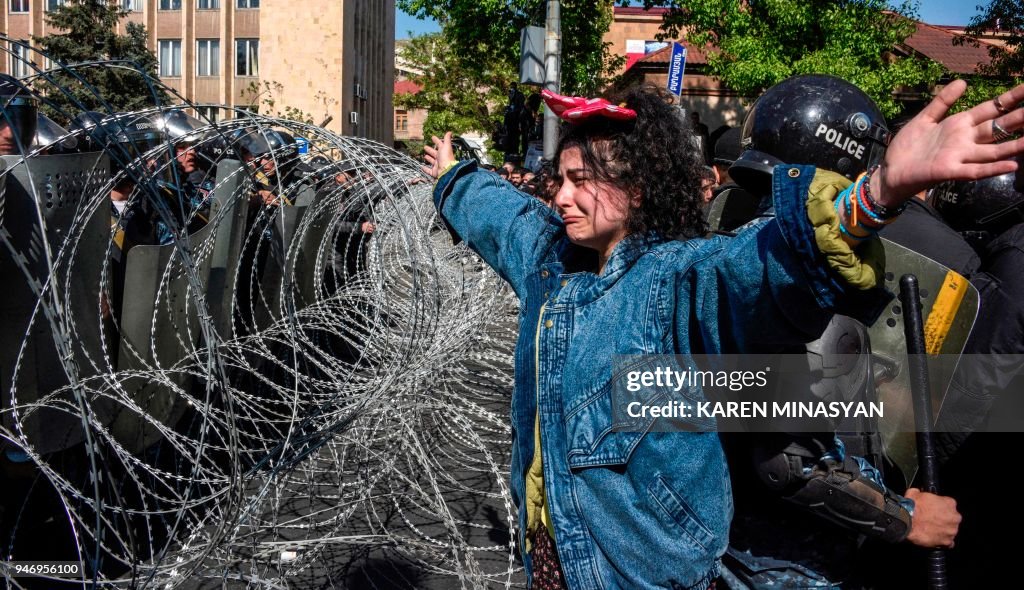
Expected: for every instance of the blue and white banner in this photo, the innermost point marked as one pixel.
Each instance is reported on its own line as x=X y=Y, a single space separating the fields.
x=676 y=65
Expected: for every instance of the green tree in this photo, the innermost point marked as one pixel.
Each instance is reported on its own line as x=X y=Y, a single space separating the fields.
x=88 y=34
x=459 y=95
x=1005 y=18
x=485 y=33
x=762 y=42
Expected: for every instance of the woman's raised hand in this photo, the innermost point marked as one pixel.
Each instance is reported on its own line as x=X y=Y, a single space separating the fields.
x=933 y=147
x=438 y=157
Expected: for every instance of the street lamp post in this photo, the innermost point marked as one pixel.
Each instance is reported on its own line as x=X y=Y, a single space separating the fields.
x=552 y=74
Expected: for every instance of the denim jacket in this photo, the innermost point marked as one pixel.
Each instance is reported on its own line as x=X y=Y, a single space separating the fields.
x=634 y=509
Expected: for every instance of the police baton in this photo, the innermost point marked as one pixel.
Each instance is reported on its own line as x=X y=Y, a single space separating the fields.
x=913 y=330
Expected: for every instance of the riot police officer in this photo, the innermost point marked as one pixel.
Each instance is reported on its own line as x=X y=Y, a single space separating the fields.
x=804 y=500
x=273 y=157
x=279 y=183
x=193 y=183
x=983 y=413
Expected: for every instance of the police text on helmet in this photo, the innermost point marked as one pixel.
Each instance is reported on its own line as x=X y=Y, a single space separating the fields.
x=837 y=139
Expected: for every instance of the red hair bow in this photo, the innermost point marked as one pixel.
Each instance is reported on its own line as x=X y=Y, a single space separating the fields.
x=575 y=109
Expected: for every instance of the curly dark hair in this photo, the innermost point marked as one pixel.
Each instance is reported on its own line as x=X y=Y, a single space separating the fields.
x=653 y=154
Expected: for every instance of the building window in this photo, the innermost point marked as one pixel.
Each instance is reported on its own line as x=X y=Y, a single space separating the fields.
x=170 y=4
x=401 y=120
x=20 y=57
x=19 y=6
x=208 y=114
x=248 y=3
x=132 y=5
x=170 y=58
x=207 y=57
x=247 y=57
x=209 y=5
x=53 y=4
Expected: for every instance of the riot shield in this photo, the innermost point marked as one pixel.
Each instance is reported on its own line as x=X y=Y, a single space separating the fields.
x=228 y=212
x=950 y=306
x=161 y=332
x=310 y=251
x=55 y=236
x=276 y=278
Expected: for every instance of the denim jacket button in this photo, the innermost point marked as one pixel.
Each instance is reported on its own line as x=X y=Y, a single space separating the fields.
x=543 y=274
x=548 y=324
x=547 y=294
x=565 y=282
x=794 y=172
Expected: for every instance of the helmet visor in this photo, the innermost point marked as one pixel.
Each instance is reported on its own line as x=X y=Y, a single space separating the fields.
x=17 y=124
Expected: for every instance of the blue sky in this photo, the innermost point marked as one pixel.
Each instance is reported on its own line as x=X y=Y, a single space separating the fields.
x=936 y=12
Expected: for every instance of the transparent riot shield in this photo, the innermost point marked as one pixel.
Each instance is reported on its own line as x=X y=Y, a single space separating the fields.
x=950 y=306
x=55 y=236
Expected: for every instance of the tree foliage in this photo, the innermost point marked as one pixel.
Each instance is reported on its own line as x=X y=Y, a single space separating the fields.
x=89 y=34
x=469 y=66
x=762 y=42
x=486 y=34
x=1006 y=19
x=459 y=95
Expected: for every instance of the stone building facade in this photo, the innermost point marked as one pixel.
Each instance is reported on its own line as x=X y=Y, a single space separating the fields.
x=331 y=59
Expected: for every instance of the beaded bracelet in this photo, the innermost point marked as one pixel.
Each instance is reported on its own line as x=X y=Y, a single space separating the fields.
x=864 y=206
x=851 y=212
x=885 y=213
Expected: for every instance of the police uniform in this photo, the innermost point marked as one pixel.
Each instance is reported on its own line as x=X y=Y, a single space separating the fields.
x=983 y=394
x=806 y=500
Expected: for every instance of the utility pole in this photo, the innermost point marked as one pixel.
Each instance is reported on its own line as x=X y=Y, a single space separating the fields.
x=552 y=74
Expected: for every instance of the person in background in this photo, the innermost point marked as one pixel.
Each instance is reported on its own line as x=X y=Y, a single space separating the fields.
x=708 y=184
x=727 y=149
x=703 y=136
x=516 y=177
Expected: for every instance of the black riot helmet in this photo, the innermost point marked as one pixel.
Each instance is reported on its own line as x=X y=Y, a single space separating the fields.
x=271 y=143
x=137 y=134
x=125 y=137
x=18 y=109
x=181 y=127
x=219 y=143
x=84 y=125
x=982 y=209
x=53 y=138
x=264 y=141
x=813 y=119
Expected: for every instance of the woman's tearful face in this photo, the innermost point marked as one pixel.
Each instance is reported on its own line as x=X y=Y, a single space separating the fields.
x=594 y=212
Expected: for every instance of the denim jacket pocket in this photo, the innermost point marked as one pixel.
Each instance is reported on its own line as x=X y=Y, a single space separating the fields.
x=591 y=435
x=676 y=508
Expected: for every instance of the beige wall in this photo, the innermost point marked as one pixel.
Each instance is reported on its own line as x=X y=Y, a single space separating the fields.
x=414 y=128
x=321 y=54
x=302 y=51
